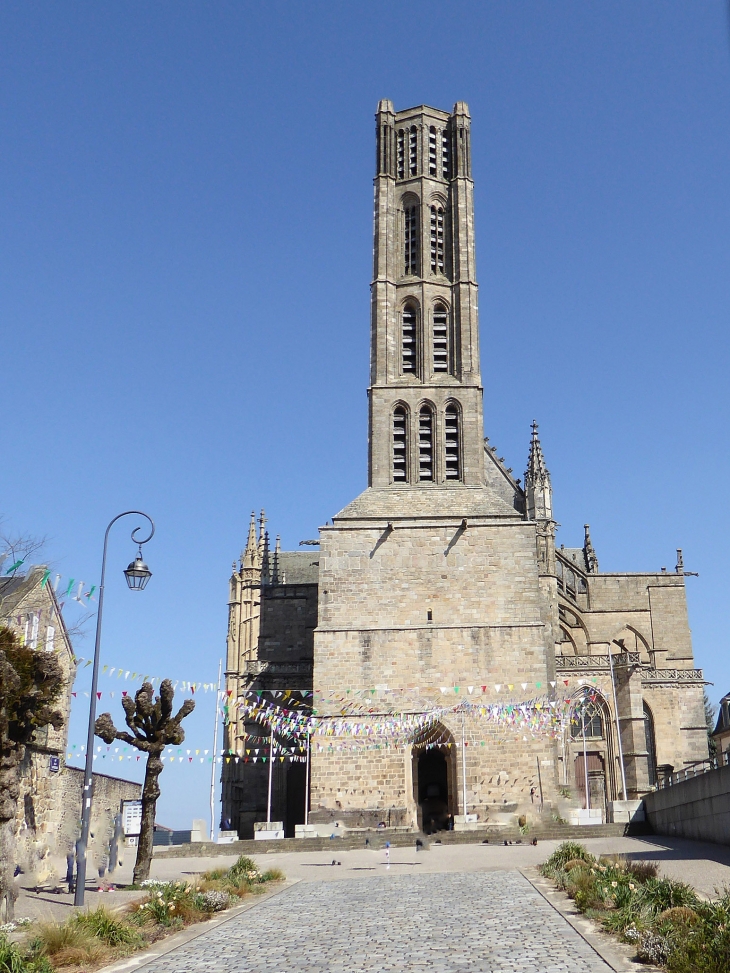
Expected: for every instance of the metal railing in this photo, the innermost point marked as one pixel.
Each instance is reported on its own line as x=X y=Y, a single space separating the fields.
x=695 y=769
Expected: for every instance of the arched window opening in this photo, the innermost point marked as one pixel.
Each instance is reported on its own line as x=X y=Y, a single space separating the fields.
x=413 y=151
x=437 y=239
x=445 y=155
x=432 y=151
x=452 y=450
x=590 y=714
x=411 y=240
x=401 y=160
x=400 y=449
x=425 y=444
x=440 y=339
x=650 y=745
x=408 y=342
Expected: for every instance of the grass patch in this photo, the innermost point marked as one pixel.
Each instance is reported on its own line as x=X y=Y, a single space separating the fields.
x=94 y=938
x=19 y=959
x=666 y=922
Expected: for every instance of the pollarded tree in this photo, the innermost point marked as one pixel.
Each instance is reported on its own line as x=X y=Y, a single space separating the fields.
x=30 y=683
x=153 y=727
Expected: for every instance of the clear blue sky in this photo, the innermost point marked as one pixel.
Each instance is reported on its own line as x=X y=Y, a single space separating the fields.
x=185 y=257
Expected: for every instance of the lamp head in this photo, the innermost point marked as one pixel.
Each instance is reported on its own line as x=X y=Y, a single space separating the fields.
x=137 y=574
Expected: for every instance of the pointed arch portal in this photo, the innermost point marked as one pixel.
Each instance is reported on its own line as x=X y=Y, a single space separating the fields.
x=434 y=783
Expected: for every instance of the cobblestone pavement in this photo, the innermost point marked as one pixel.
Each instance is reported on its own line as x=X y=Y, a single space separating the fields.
x=446 y=923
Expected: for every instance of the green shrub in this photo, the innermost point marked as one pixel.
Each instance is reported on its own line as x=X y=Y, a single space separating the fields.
x=110 y=929
x=15 y=959
x=641 y=870
x=661 y=894
x=68 y=944
x=567 y=851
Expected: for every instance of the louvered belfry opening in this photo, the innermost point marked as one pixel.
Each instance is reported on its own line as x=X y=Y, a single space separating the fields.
x=437 y=240
x=440 y=339
x=408 y=340
x=425 y=444
x=411 y=240
x=413 y=151
x=401 y=154
x=432 y=151
x=400 y=445
x=452 y=450
x=445 y=155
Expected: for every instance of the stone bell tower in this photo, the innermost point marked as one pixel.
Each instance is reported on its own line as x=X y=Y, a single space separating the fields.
x=428 y=580
x=425 y=385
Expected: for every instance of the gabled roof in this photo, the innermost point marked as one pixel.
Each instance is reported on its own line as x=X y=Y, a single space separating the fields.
x=298 y=567
x=723 y=716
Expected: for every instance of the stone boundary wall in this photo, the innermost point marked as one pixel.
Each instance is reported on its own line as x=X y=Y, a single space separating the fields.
x=697 y=808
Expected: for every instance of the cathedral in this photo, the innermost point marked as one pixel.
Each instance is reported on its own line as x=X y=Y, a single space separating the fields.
x=435 y=629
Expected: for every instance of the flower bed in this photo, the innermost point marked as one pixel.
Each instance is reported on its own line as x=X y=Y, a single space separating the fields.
x=94 y=938
x=663 y=919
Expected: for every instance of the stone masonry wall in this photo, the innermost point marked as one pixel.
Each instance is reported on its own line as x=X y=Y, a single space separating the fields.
x=486 y=629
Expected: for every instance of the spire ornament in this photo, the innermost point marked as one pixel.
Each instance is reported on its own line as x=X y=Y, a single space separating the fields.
x=589 y=553
x=538 y=489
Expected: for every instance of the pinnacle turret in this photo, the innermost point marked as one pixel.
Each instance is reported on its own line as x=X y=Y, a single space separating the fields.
x=589 y=553
x=538 y=489
x=275 y=569
x=249 y=557
x=265 y=560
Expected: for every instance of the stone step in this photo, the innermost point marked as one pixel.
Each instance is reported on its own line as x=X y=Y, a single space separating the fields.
x=377 y=840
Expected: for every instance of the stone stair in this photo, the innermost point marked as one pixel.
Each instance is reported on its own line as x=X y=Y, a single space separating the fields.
x=377 y=840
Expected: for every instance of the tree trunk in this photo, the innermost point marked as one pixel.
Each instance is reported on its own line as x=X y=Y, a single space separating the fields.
x=10 y=757
x=150 y=793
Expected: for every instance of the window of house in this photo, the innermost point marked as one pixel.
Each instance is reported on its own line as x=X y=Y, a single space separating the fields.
x=50 y=638
x=445 y=155
x=400 y=450
x=437 y=239
x=432 y=151
x=440 y=339
x=408 y=340
x=401 y=154
x=452 y=455
x=425 y=443
x=413 y=151
x=411 y=240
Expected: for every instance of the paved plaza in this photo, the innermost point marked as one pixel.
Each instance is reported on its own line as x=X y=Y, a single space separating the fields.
x=450 y=908
x=482 y=921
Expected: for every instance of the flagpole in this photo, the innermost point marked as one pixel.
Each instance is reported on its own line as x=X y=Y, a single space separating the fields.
x=585 y=756
x=306 y=784
x=271 y=775
x=215 y=751
x=618 y=725
x=463 y=763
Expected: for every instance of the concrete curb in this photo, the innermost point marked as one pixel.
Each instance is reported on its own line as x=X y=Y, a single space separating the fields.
x=617 y=955
x=144 y=957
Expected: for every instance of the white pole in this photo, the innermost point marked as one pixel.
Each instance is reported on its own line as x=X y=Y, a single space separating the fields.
x=585 y=756
x=215 y=751
x=618 y=725
x=271 y=774
x=306 y=785
x=463 y=764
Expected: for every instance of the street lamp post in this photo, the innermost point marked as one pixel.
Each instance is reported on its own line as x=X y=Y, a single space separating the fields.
x=137 y=575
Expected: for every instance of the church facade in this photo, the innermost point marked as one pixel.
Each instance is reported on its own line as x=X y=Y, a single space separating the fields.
x=441 y=588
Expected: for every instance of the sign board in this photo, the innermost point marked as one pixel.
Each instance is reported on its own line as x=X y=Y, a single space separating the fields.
x=55 y=764
x=131 y=818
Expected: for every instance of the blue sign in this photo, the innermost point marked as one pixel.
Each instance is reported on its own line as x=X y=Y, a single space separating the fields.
x=55 y=764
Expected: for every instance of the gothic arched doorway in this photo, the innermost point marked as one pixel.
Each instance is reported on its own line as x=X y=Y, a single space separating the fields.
x=434 y=781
